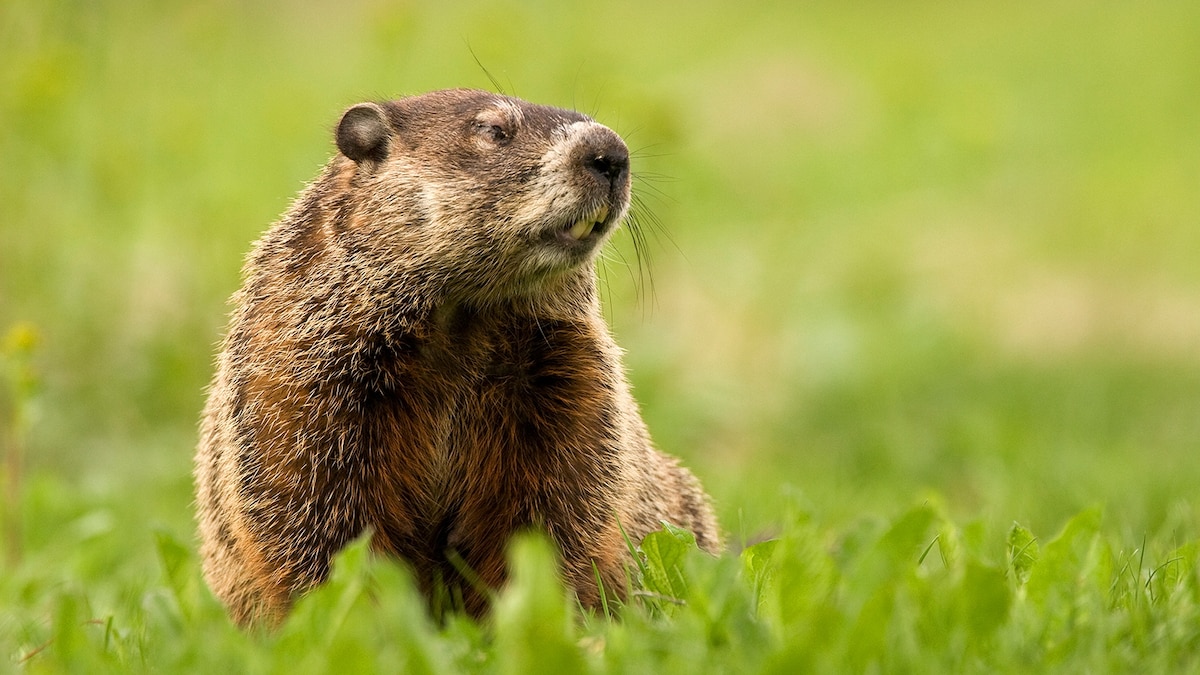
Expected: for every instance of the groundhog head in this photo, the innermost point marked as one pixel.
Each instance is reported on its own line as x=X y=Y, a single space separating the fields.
x=499 y=195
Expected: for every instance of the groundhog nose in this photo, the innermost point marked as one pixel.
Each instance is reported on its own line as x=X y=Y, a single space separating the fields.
x=608 y=159
x=612 y=166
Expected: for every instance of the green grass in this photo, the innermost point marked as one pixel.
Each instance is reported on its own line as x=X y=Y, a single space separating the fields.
x=910 y=254
x=918 y=592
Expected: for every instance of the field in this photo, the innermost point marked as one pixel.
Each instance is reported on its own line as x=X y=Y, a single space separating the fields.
x=921 y=307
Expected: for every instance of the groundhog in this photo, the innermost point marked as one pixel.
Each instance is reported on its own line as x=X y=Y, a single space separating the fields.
x=417 y=351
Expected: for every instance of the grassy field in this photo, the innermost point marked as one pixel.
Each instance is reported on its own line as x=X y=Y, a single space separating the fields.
x=922 y=271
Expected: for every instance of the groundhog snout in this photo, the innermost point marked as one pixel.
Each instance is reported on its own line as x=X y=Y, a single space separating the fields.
x=605 y=158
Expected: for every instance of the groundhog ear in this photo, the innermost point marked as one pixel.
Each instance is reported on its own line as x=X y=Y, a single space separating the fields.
x=363 y=133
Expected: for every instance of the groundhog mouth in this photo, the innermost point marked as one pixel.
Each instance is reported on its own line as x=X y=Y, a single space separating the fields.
x=586 y=228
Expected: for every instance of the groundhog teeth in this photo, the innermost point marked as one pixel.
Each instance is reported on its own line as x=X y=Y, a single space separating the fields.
x=584 y=226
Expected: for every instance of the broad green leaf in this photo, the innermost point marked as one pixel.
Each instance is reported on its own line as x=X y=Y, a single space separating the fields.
x=321 y=614
x=868 y=636
x=985 y=598
x=896 y=552
x=1060 y=566
x=908 y=536
x=180 y=574
x=878 y=578
x=1023 y=551
x=791 y=576
x=350 y=573
x=759 y=564
x=664 y=553
x=535 y=627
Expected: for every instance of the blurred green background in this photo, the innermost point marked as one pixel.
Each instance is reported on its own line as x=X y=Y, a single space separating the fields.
x=901 y=247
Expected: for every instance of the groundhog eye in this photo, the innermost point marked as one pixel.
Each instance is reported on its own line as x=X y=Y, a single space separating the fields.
x=494 y=132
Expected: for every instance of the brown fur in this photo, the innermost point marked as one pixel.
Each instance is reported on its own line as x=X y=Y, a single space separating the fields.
x=418 y=349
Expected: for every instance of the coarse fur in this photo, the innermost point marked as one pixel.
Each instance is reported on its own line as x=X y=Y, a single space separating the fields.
x=418 y=350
